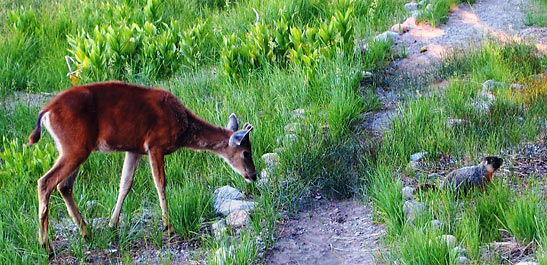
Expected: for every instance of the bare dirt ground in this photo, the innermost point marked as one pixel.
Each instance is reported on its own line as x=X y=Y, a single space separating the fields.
x=343 y=232
x=330 y=232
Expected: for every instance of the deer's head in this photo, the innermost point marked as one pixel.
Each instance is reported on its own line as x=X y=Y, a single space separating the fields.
x=238 y=153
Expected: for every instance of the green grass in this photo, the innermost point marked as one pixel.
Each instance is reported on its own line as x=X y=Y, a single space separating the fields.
x=536 y=13
x=438 y=11
x=475 y=218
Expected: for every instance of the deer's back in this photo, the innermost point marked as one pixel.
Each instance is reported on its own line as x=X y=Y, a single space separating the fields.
x=124 y=117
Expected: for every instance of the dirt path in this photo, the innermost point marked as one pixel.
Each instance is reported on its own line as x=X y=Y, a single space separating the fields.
x=343 y=232
x=330 y=232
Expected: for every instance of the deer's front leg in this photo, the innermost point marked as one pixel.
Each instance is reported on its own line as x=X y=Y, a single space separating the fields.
x=158 y=173
x=128 y=172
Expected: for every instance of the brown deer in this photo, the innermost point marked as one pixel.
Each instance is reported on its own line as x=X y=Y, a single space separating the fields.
x=115 y=116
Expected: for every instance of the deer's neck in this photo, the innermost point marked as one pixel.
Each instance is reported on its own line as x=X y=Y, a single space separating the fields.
x=201 y=135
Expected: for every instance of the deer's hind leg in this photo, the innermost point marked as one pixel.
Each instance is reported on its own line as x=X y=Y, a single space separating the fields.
x=66 y=190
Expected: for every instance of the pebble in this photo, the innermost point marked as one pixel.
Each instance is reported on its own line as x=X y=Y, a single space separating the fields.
x=408 y=193
x=219 y=228
x=460 y=251
x=462 y=260
x=433 y=176
x=417 y=156
x=293 y=127
x=227 y=193
x=451 y=122
x=228 y=206
x=271 y=159
x=91 y=204
x=412 y=209
x=237 y=218
x=299 y=113
x=527 y=263
x=437 y=224
x=286 y=140
x=387 y=36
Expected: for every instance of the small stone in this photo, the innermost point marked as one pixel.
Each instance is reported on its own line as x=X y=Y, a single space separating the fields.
x=449 y=240
x=517 y=86
x=219 y=228
x=91 y=204
x=412 y=6
x=462 y=260
x=299 y=113
x=489 y=85
x=428 y=6
x=264 y=177
x=366 y=74
x=286 y=140
x=451 y=122
x=227 y=193
x=271 y=160
x=387 y=36
x=437 y=224
x=433 y=176
x=459 y=251
x=486 y=96
x=412 y=209
x=293 y=127
x=414 y=165
x=228 y=206
x=527 y=263
x=223 y=254
x=417 y=156
x=423 y=49
x=481 y=107
x=408 y=193
x=237 y=218
x=99 y=222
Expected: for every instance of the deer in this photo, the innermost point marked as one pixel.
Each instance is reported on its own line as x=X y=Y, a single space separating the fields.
x=116 y=116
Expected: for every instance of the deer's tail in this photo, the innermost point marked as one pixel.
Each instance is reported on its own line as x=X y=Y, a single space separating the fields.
x=34 y=137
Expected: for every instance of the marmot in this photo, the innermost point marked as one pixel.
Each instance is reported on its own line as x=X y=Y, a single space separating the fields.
x=466 y=178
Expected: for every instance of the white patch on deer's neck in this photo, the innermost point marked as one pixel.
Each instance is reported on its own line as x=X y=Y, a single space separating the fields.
x=47 y=123
x=228 y=161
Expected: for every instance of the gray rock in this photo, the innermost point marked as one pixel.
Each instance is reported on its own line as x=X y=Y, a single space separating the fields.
x=286 y=140
x=387 y=36
x=462 y=260
x=517 y=86
x=90 y=205
x=527 y=263
x=227 y=193
x=417 y=156
x=482 y=106
x=437 y=224
x=237 y=218
x=99 y=222
x=414 y=165
x=219 y=228
x=293 y=127
x=451 y=122
x=413 y=209
x=412 y=6
x=489 y=85
x=460 y=251
x=449 y=240
x=408 y=193
x=486 y=96
x=433 y=176
x=271 y=160
x=299 y=113
x=228 y=206
x=366 y=74
x=264 y=178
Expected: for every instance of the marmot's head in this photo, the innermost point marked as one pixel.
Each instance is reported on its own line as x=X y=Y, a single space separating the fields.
x=492 y=163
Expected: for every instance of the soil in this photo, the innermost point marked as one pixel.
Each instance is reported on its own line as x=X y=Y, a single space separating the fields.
x=330 y=232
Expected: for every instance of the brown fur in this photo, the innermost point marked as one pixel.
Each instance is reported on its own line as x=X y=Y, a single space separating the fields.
x=115 y=116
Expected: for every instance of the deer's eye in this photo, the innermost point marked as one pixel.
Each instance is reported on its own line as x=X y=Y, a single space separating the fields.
x=246 y=154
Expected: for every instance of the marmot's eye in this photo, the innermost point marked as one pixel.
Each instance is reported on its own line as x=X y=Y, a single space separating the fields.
x=246 y=154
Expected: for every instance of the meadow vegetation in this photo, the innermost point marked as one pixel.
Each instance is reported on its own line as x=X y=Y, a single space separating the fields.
x=218 y=59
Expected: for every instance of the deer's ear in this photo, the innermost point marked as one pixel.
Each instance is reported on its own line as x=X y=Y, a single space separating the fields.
x=247 y=126
x=238 y=137
x=232 y=123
